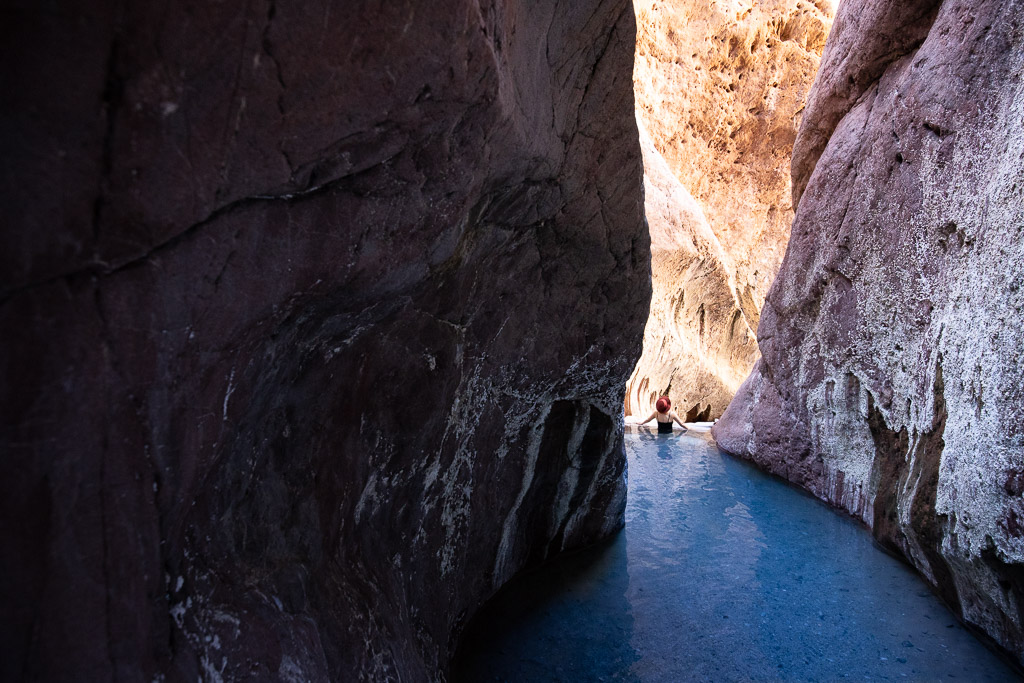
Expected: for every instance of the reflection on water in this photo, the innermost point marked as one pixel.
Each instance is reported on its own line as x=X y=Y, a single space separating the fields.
x=723 y=574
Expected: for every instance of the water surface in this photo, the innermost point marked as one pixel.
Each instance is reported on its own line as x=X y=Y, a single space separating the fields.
x=722 y=573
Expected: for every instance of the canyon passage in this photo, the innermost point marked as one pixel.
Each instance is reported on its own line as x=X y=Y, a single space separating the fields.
x=318 y=319
x=723 y=573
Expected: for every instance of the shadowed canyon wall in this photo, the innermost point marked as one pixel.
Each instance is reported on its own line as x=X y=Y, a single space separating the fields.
x=891 y=381
x=720 y=89
x=316 y=321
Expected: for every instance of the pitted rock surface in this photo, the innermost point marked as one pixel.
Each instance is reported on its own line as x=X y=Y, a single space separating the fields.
x=697 y=345
x=891 y=382
x=720 y=89
x=316 y=320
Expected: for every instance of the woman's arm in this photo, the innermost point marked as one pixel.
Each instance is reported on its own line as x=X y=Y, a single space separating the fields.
x=676 y=418
x=653 y=415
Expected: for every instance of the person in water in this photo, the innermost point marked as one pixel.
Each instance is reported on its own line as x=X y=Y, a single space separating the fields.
x=665 y=415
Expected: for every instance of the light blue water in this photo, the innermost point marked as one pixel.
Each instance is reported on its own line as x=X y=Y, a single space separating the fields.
x=722 y=574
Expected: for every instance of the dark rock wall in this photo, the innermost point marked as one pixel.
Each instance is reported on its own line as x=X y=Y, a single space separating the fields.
x=891 y=382
x=316 y=319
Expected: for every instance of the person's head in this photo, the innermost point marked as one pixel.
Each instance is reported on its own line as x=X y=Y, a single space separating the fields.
x=663 y=405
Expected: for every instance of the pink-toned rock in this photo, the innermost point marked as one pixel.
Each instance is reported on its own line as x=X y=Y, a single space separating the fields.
x=891 y=381
x=316 y=319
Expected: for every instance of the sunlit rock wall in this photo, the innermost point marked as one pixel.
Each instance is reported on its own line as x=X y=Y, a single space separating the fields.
x=697 y=344
x=891 y=381
x=720 y=88
x=315 y=325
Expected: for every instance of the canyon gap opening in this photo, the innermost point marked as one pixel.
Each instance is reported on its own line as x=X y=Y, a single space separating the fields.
x=719 y=91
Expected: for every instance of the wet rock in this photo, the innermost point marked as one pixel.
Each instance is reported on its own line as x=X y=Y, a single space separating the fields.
x=720 y=89
x=890 y=382
x=316 y=322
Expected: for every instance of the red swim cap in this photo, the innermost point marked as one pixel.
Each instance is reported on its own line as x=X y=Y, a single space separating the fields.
x=663 y=404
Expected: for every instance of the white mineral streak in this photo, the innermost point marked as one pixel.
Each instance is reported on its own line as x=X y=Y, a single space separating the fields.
x=503 y=568
x=457 y=477
x=366 y=496
x=227 y=395
x=213 y=673
x=570 y=478
x=841 y=406
x=576 y=516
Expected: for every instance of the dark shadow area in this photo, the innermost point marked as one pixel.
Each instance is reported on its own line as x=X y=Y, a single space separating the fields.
x=516 y=630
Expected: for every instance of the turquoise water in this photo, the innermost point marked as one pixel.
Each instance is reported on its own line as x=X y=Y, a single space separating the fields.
x=722 y=574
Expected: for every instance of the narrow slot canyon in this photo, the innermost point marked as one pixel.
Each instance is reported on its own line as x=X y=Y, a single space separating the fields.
x=329 y=333
x=719 y=91
x=722 y=573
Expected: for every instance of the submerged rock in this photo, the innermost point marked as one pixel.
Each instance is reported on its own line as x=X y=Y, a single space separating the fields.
x=720 y=89
x=891 y=381
x=316 y=322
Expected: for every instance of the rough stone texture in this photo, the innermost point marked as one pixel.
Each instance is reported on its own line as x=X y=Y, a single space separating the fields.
x=697 y=345
x=720 y=88
x=891 y=381
x=316 y=319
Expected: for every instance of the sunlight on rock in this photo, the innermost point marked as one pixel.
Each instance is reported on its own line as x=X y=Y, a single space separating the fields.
x=719 y=90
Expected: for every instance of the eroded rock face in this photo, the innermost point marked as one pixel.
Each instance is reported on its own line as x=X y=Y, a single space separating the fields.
x=316 y=322
x=720 y=88
x=697 y=345
x=891 y=380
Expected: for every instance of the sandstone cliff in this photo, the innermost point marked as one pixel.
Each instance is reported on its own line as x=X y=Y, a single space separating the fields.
x=316 y=319
x=697 y=346
x=720 y=88
x=891 y=381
